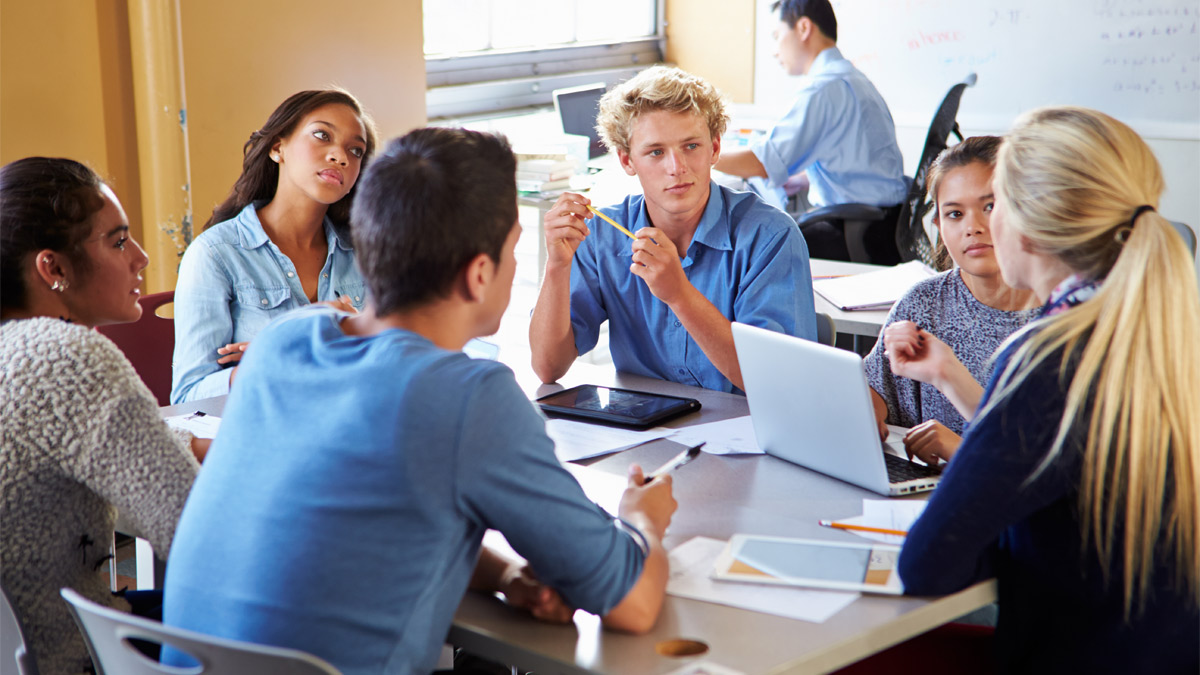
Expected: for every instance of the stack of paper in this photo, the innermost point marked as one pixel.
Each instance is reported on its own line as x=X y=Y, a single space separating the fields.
x=873 y=290
x=544 y=173
x=727 y=437
x=574 y=441
x=200 y=424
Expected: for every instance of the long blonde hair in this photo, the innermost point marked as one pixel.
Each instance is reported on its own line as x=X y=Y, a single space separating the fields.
x=1073 y=180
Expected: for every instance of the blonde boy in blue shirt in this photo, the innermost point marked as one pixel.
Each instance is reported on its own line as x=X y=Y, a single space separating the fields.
x=702 y=255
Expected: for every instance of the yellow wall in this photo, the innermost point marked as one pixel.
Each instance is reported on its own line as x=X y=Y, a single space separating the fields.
x=66 y=86
x=715 y=40
x=242 y=59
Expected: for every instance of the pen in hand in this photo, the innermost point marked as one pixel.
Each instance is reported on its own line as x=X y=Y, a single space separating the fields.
x=675 y=462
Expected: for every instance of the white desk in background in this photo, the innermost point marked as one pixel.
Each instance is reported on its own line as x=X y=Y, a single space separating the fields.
x=860 y=323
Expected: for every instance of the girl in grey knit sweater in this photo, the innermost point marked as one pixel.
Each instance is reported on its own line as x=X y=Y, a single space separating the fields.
x=82 y=437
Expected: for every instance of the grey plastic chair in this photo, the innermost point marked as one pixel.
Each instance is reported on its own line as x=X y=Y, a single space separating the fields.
x=1189 y=237
x=107 y=633
x=826 y=331
x=12 y=640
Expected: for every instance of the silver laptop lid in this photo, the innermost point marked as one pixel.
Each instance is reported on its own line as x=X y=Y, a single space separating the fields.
x=810 y=405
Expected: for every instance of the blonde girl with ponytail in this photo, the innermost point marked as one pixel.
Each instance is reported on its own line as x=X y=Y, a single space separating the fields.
x=1076 y=485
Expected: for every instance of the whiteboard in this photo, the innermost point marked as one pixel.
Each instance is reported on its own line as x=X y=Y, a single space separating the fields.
x=1137 y=60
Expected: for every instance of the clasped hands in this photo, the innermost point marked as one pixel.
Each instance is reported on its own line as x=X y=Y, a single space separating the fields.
x=655 y=258
x=919 y=355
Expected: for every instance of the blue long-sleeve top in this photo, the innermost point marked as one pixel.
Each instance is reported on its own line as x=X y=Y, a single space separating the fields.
x=1058 y=612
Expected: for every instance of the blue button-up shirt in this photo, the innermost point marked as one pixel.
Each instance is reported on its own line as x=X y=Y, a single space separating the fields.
x=840 y=131
x=747 y=258
x=232 y=282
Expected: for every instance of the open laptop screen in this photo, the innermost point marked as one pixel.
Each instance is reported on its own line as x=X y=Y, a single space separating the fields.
x=577 y=108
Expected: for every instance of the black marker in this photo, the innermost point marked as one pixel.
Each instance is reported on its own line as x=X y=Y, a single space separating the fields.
x=676 y=462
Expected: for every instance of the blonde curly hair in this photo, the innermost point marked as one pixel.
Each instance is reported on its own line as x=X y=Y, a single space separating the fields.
x=658 y=88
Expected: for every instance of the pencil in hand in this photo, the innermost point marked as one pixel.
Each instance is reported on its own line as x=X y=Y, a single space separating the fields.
x=610 y=221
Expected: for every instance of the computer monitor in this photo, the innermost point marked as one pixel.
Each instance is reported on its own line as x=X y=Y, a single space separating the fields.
x=577 y=108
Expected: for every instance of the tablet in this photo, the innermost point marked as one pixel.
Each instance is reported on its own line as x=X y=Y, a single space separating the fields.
x=866 y=568
x=622 y=407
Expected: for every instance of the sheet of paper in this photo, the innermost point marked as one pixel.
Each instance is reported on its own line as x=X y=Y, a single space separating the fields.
x=890 y=514
x=200 y=424
x=602 y=487
x=692 y=564
x=733 y=436
x=872 y=290
x=580 y=440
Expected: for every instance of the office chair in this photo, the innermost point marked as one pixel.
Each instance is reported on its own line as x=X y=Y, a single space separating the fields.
x=108 y=632
x=1189 y=237
x=12 y=640
x=826 y=332
x=911 y=239
x=149 y=344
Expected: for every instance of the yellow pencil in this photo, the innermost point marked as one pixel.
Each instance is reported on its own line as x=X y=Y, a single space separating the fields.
x=611 y=222
x=861 y=528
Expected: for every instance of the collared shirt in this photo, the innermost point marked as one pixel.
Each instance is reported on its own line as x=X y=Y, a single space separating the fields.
x=840 y=131
x=747 y=258
x=232 y=282
x=404 y=453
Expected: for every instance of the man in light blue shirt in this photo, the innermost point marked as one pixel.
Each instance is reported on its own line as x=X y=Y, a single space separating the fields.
x=363 y=456
x=702 y=255
x=839 y=132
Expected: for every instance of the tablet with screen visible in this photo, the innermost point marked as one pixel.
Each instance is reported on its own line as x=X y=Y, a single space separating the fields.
x=837 y=566
x=622 y=407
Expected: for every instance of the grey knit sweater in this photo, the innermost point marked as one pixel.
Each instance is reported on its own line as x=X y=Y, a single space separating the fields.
x=82 y=438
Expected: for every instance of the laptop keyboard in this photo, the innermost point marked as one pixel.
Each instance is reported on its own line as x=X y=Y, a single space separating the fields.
x=900 y=470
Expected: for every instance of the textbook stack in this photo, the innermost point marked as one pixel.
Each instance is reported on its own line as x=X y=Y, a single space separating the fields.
x=544 y=173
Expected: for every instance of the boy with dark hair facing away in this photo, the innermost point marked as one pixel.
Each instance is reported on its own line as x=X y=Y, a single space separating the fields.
x=376 y=427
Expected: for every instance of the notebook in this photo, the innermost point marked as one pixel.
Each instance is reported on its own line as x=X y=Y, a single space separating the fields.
x=811 y=406
x=872 y=290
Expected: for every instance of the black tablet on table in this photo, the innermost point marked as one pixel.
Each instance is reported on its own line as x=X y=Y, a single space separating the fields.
x=621 y=407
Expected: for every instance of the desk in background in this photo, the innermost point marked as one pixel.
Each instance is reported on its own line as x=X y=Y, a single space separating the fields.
x=859 y=323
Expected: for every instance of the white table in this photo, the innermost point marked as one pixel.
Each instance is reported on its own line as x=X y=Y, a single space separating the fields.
x=718 y=497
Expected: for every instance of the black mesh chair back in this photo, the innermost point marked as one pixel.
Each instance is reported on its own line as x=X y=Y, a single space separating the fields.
x=911 y=239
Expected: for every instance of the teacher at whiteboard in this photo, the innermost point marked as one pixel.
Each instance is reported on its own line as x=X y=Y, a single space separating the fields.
x=839 y=132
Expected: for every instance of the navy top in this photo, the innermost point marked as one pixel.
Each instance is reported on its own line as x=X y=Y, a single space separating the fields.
x=1057 y=614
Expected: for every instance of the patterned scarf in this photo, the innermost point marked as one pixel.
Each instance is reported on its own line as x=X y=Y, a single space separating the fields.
x=1070 y=292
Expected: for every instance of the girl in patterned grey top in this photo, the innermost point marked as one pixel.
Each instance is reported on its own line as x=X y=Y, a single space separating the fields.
x=961 y=315
x=82 y=437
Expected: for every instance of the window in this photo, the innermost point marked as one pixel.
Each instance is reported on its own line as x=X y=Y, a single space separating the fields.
x=487 y=55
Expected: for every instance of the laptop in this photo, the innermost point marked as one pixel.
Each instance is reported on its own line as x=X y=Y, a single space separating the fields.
x=810 y=404
x=577 y=108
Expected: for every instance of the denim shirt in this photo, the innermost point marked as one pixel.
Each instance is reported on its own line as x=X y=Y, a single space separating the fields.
x=840 y=131
x=233 y=281
x=748 y=259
